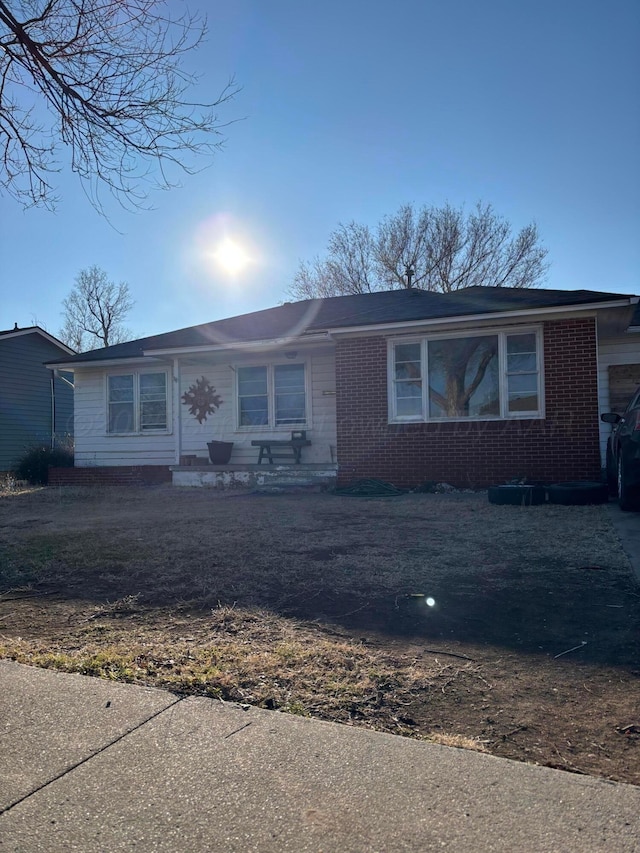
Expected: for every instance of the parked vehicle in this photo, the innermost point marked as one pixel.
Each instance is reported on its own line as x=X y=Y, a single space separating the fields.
x=623 y=454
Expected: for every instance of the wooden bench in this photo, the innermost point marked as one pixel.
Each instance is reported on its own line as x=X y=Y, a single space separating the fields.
x=273 y=449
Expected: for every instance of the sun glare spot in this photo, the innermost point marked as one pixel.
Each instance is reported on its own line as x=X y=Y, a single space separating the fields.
x=231 y=256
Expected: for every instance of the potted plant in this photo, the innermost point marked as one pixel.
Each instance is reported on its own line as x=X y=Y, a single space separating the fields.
x=220 y=452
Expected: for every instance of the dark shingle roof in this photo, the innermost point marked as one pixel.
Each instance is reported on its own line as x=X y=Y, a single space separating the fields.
x=37 y=329
x=294 y=319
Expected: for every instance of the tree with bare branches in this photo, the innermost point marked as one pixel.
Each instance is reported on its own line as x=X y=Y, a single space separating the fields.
x=439 y=249
x=102 y=82
x=95 y=310
x=443 y=249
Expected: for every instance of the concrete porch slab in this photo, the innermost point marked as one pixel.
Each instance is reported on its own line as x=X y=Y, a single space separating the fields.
x=254 y=476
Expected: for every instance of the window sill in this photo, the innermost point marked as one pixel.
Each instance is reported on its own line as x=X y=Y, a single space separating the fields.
x=246 y=430
x=528 y=416
x=138 y=434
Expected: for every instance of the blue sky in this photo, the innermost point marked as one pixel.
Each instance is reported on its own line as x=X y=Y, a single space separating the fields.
x=350 y=109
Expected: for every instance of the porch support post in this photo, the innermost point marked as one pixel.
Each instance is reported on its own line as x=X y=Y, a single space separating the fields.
x=177 y=418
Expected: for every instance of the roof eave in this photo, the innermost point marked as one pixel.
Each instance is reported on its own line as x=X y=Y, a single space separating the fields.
x=266 y=343
x=103 y=362
x=490 y=315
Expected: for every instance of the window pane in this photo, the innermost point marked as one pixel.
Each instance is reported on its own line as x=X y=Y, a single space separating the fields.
x=463 y=377
x=408 y=379
x=408 y=361
x=121 y=389
x=253 y=411
x=522 y=363
x=121 y=417
x=253 y=400
x=523 y=393
x=289 y=377
x=408 y=389
x=252 y=380
x=120 y=396
x=153 y=401
x=153 y=415
x=522 y=373
x=521 y=344
x=290 y=394
x=290 y=409
x=153 y=386
x=409 y=406
x=407 y=352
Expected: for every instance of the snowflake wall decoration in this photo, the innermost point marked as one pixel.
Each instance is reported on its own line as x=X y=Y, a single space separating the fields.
x=202 y=399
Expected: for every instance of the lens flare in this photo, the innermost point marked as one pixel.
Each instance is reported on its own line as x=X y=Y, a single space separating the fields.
x=231 y=256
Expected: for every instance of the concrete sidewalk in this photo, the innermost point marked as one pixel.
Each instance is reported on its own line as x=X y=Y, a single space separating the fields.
x=90 y=765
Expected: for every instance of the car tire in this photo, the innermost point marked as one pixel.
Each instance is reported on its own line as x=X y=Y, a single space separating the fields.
x=579 y=493
x=627 y=496
x=517 y=495
x=612 y=473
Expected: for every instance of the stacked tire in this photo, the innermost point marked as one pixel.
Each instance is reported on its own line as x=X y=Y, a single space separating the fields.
x=578 y=493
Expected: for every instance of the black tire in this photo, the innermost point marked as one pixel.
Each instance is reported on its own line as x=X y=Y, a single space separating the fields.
x=627 y=497
x=579 y=493
x=517 y=495
x=612 y=473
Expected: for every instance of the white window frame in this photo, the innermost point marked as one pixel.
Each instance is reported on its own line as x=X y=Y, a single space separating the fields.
x=502 y=335
x=271 y=397
x=136 y=373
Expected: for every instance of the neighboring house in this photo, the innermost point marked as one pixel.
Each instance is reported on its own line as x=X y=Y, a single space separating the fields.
x=473 y=387
x=36 y=406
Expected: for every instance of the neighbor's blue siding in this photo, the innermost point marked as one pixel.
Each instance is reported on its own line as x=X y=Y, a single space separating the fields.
x=25 y=397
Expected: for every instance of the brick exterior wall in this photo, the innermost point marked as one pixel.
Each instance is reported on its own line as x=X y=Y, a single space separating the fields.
x=120 y=475
x=475 y=454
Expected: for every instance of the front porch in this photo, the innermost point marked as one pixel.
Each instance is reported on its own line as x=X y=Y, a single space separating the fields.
x=304 y=475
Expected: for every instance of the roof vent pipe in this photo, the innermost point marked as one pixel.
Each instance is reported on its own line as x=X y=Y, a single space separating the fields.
x=409 y=272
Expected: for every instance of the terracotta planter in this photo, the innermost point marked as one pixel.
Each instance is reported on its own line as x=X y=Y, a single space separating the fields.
x=220 y=452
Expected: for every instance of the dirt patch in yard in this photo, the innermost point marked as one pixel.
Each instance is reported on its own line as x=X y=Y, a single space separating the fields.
x=513 y=630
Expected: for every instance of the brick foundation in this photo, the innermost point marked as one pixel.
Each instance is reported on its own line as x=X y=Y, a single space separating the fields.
x=563 y=446
x=121 y=475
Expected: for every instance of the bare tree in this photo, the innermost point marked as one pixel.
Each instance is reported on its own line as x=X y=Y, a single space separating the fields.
x=436 y=249
x=105 y=80
x=95 y=310
x=349 y=267
x=445 y=249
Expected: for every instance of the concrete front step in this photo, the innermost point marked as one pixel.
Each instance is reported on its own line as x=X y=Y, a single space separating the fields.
x=256 y=476
x=278 y=487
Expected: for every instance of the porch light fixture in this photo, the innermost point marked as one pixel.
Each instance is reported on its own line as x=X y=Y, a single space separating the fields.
x=291 y=354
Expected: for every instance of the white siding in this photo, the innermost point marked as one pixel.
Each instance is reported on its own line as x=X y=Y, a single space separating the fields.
x=221 y=426
x=94 y=446
x=621 y=350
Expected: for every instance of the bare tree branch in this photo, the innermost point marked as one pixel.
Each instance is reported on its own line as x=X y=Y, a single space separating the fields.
x=446 y=248
x=95 y=310
x=104 y=82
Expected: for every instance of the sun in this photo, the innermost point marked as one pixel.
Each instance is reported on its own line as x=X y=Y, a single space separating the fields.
x=231 y=256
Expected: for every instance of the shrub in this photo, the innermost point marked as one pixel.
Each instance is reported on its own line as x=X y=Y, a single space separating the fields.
x=34 y=465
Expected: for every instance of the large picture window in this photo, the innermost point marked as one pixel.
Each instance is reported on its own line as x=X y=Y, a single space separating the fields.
x=272 y=395
x=488 y=376
x=137 y=402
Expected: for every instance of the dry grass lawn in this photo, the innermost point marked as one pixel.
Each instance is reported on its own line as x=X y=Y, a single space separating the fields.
x=320 y=605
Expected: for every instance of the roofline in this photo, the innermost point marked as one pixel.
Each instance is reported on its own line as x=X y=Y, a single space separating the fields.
x=31 y=330
x=320 y=337
x=103 y=362
x=327 y=334
x=492 y=315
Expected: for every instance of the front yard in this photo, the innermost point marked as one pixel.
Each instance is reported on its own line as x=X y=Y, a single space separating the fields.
x=512 y=630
